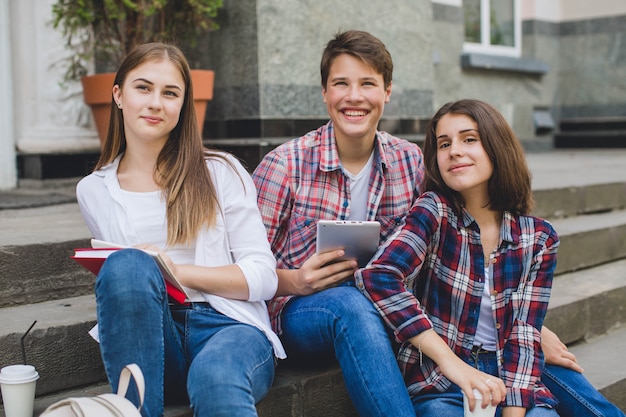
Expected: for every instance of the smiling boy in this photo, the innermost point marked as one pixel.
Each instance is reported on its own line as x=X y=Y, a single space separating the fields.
x=345 y=170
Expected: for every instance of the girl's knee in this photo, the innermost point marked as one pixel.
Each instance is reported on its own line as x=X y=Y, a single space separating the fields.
x=128 y=271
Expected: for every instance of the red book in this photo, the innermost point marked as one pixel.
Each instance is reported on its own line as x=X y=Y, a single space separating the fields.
x=93 y=258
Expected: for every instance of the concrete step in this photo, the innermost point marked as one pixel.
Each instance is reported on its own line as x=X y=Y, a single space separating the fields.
x=554 y=203
x=583 y=193
x=587 y=307
x=35 y=249
x=41 y=272
x=590 y=240
x=604 y=364
x=68 y=357
x=327 y=396
x=587 y=303
x=296 y=392
x=35 y=264
x=59 y=345
x=584 y=304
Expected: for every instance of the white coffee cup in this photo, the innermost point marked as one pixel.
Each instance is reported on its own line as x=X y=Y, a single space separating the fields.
x=18 y=390
x=489 y=411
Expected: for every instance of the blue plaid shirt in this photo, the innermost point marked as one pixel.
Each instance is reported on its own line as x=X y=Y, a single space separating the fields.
x=431 y=275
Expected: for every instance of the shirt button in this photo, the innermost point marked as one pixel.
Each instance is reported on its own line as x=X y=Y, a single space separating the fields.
x=498 y=326
x=494 y=292
x=345 y=203
x=494 y=260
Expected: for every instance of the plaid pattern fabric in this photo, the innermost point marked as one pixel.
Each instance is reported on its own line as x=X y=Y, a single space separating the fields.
x=301 y=182
x=431 y=275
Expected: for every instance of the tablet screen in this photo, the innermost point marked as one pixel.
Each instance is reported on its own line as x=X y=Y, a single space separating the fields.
x=358 y=238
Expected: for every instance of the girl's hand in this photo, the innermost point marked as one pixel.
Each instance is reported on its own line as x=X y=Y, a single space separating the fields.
x=456 y=370
x=467 y=378
x=152 y=248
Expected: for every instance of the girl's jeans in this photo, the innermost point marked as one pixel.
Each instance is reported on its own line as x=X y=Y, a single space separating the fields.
x=577 y=397
x=450 y=402
x=188 y=354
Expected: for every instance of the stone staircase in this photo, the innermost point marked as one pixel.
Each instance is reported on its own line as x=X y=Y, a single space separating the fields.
x=39 y=282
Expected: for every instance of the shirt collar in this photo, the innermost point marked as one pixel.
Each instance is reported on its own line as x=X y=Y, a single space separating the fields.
x=509 y=230
x=329 y=159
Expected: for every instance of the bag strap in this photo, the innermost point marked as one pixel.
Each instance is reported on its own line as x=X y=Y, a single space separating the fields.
x=134 y=370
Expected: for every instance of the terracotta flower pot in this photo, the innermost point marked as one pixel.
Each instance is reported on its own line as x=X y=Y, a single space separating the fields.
x=97 y=91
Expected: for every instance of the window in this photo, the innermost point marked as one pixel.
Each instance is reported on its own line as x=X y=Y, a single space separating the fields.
x=492 y=27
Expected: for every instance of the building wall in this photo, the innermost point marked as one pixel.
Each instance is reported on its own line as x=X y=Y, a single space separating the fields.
x=273 y=86
x=516 y=94
x=592 y=80
x=266 y=57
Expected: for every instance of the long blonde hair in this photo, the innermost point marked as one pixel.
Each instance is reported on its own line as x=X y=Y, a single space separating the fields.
x=181 y=172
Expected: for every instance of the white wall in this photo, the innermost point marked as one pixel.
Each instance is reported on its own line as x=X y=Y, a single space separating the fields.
x=586 y=9
x=449 y=2
x=549 y=10
x=48 y=117
x=564 y=10
x=8 y=169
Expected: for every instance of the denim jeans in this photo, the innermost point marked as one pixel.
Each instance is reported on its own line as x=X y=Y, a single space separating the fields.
x=188 y=354
x=450 y=402
x=577 y=397
x=341 y=323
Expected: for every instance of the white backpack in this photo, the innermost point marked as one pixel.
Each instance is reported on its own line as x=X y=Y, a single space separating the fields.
x=105 y=405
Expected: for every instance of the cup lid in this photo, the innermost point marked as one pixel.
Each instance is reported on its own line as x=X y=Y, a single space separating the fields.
x=18 y=374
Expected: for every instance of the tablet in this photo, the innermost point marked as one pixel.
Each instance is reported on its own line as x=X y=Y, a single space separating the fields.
x=358 y=238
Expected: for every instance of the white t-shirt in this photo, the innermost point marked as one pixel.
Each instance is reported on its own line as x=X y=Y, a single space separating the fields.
x=146 y=211
x=238 y=237
x=359 y=191
x=486 y=329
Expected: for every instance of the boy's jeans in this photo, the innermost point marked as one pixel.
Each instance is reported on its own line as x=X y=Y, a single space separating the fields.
x=340 y=322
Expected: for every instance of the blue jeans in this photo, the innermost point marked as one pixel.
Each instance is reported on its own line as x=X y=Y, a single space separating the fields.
x=188 y=354
x=450 y=402
x=577 y=397
x=341 y=323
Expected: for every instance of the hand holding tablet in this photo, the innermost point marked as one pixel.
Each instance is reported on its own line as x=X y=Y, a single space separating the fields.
x=359 y=239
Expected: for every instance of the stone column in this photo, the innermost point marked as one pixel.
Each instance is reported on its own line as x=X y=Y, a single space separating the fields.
x=49 y=117
x=8 y=169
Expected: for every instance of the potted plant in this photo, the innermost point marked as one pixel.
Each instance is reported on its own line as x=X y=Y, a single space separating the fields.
x=104 y=31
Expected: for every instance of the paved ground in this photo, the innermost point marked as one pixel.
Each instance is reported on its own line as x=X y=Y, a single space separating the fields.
x=560 y=168
x=54 y=216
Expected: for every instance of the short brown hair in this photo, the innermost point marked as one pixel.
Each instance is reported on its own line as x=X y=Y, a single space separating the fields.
x=510 y=184
x=361 y=45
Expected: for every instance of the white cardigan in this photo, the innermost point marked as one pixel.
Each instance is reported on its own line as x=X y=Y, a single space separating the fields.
x=238 y=237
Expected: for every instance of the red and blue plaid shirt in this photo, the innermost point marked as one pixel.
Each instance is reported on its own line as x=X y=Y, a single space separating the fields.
x=301 y=182
x=431 y=275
